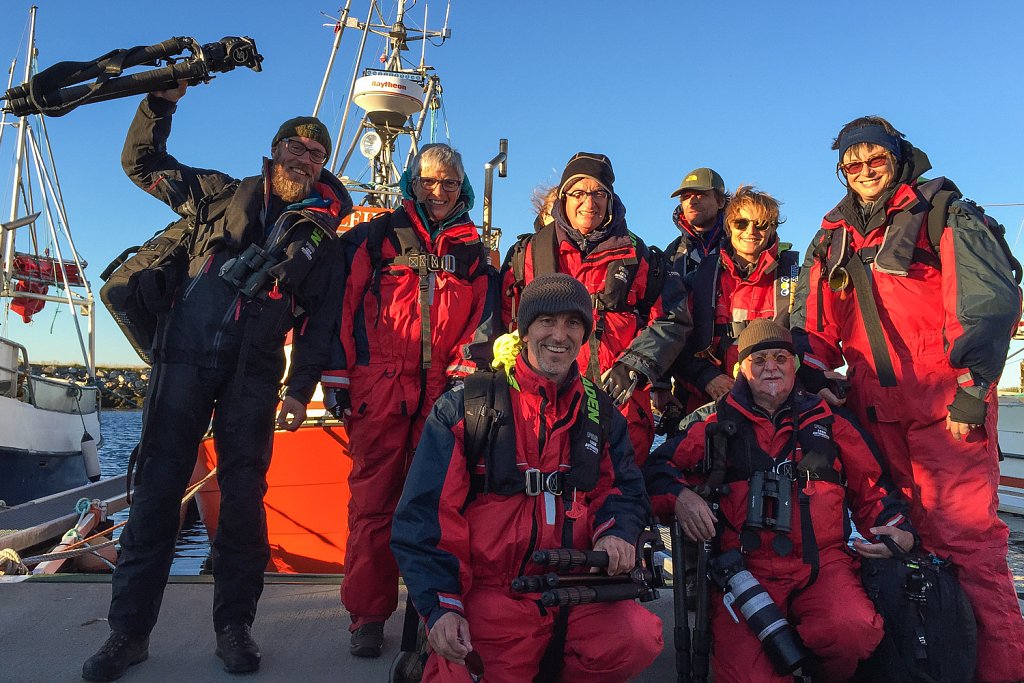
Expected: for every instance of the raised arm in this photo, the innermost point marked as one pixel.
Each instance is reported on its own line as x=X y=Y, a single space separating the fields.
x=145 y=159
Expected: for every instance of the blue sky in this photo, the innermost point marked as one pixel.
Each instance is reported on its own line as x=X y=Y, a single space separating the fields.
x=756 y=90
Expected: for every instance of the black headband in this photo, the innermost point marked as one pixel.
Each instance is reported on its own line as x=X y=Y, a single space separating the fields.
x=871 y=133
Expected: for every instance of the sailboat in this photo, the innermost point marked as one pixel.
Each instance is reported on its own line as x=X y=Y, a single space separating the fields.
x=49 y=428
x=307 y=497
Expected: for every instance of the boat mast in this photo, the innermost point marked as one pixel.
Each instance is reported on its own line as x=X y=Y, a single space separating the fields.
x=379 y=131
x=339 y=28
x=7 y=238
x=29 y=154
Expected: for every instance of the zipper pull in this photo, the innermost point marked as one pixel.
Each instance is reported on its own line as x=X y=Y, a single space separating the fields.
x=809 y=487
x=275 y=292
x=577 y=510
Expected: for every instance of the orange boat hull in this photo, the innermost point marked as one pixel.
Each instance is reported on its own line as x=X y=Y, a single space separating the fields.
x=306 y=502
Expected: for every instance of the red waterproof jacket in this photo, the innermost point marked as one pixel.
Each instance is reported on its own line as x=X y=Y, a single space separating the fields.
x=868 y=492
x=633 y=326
x=946 y=317
x=382 y=350
x=724 y=297
x=448 y=538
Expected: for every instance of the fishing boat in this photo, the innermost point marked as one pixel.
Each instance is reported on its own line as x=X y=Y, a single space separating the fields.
x=1011 y=442
x=49 y=427
x=307 y=484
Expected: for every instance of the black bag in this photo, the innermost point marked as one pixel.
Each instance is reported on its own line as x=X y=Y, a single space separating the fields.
x=139 y=285
x=139 y=288
x=930 y=633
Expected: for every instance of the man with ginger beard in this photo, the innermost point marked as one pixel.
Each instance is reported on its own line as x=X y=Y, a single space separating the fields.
x=219 y=352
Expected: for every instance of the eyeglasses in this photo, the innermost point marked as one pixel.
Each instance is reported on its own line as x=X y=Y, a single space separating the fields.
x=596 y=195
x=759 y=360
x=741 y=224
x=448 y=184
x=298 y=149
x=855 y=167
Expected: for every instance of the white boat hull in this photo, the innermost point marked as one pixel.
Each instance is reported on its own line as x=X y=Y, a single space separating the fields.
x=1011 y=443
x=41 y=449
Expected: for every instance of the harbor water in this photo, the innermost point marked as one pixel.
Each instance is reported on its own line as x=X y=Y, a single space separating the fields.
x=121 y=432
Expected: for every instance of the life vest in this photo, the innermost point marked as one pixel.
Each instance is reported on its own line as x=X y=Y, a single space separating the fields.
x=465 y=260
x=810 y=455
x=620 y=274
x=704 y=292
x=490 y=439
x=933 y=204
x=618 y=282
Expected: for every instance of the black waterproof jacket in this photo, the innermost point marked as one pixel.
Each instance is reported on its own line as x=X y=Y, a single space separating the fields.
x=212 y=324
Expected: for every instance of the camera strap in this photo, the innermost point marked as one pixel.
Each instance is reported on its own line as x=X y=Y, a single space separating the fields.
x=810 y=544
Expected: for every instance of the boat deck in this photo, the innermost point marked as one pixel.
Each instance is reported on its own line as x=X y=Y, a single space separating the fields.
x=29 y=524
x=302 y=630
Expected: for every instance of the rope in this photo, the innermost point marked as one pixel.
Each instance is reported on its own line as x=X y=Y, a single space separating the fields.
x=83 y=547
x=67 y=554
x=11 y=564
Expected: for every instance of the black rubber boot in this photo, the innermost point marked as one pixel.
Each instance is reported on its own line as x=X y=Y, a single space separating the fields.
x=368 y=640
x=117 y=654
x=239 y=651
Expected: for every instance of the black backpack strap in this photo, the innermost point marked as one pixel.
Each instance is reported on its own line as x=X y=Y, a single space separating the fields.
x=657 y=265
x=487 y=405
x=545 y=251
x=478 y=402
x=872 y=322
x=810 y=544
x=517 y=264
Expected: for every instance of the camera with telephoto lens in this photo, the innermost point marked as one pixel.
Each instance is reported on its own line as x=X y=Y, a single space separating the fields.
x=778 y=637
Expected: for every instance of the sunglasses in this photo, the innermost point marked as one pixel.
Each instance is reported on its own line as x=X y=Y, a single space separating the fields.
x=855 y=167
x=741 y=224
x=760 y=360
x=298 y=149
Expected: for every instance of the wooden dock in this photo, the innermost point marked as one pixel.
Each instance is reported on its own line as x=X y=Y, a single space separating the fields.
x=41 y=520
x=51 y=625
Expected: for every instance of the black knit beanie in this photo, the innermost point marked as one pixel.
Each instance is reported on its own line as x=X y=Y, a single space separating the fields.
x=555 y=293
x=590 y=165
x=304 y=127
x=761 y=334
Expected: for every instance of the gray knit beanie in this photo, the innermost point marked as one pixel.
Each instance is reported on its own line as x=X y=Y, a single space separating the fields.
x=555 y=293
x=764 y=333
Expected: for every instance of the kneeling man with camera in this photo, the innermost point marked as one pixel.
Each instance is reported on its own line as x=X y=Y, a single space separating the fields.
x=780 y=469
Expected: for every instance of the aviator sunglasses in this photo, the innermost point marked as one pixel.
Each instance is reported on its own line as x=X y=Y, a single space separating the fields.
x=741 y=224
x=855 y=167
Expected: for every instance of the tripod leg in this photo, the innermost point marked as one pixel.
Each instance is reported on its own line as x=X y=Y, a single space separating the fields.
x=681 y=629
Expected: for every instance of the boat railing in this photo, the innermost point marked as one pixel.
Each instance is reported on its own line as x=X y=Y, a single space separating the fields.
x=14 y=373
x=47 y=393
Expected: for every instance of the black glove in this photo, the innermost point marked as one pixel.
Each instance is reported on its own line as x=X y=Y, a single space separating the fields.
x=620 y=380
x=967 y=409
x=813 y=379
x=337 y=401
